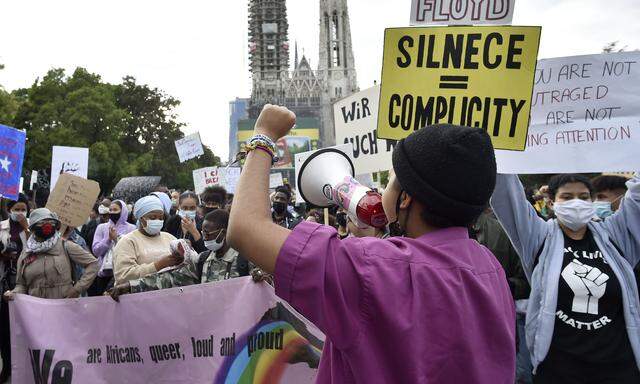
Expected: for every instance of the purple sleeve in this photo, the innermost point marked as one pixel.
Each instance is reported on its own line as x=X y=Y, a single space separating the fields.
x=322 y=277
x=101 y=241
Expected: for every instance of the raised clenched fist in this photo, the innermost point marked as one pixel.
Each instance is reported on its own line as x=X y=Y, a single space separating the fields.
x=588 y=285
x=275 y=122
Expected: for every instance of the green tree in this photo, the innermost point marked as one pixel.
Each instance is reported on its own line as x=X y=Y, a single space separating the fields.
x=8 y=105
x=129 y=128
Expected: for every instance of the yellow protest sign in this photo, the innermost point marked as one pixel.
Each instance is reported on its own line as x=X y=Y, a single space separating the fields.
x=474 y=76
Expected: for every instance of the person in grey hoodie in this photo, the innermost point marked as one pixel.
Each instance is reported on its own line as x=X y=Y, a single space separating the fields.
x=583 y=315
x=105 y=239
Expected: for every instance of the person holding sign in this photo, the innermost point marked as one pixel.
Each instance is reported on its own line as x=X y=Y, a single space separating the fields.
x=46 y=265
x=584 y=312
x=430 y=306
x=147 y=249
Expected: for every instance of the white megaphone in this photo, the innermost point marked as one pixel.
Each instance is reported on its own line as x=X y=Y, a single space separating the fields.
x=326 y=178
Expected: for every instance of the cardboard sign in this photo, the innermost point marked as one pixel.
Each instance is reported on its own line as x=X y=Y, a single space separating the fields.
x=226 y=177
x=73 y=198
x=473 y=76
x=585 y=117
x=275 y=180
x=461 y=12
x=356 y=119
x=72 y=160
x=189 y=147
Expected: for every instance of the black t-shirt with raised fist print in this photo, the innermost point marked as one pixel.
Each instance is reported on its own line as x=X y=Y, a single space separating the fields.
x=590 y=323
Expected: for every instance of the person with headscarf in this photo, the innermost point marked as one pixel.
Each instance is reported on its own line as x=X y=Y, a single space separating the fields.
x=147 y=249
x=46 y=264
x=106 y=237
x=13 y=236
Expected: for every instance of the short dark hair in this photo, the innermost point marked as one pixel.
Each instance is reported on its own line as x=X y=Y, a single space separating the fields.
x=214 y=194
x=219 y=217
x=285 y=190
x=188 y=195
x=609 y=183
x=558 y=181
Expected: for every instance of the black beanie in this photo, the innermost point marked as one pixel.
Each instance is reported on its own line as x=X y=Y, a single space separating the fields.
x=450 y=169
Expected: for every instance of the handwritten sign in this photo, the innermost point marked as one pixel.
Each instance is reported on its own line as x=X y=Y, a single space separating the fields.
x=461 y=12
x=189 y=147
x=478 y=77
x=356 y=118
x=585 y=117
x=206 y=177
x=73 y=160
x=275 y=180
x=72 y=199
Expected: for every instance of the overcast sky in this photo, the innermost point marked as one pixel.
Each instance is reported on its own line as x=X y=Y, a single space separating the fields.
x=197 y=50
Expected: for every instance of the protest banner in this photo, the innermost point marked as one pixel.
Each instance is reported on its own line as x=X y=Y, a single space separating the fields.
x=189 y=147
x=474 y=76
x=73 y=198
x=73 y=160
x=234 y=331
x=461 y=12
x=223 y=176
x=11 y=156
x=355 y=119
x=275 y=180
x=585 y=117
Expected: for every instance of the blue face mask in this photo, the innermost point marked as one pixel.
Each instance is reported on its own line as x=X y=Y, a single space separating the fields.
x=190 y=214
x=603 y=209
x=154 y=227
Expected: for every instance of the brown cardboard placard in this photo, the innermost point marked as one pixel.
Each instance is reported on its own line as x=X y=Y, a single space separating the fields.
x=72 y=199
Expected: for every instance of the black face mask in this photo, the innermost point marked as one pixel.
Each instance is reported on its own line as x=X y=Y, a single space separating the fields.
x=279 y=207
x=207 y=210
x=341 y=219
x=45 y=231
x=115 y=217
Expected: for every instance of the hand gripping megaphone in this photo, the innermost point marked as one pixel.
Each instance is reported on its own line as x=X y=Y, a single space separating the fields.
x=326 y=179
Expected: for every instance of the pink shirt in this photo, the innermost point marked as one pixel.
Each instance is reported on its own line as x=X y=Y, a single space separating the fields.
x=436 y=309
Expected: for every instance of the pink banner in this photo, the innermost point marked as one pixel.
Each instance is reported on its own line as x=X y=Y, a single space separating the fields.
x=228 y=332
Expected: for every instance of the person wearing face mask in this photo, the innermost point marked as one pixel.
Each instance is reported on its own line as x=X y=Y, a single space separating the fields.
x=105 y=239
x=146 y=250
x=583 y=312
x=45 y=269
x=217 y=263
x=89 y=229
x=609 y=191
x=13 y=236
x=213 y=197
x=186 y=224
x=431 y=306
x=280 y=213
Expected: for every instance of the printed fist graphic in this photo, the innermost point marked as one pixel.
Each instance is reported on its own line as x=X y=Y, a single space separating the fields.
x=588 y=285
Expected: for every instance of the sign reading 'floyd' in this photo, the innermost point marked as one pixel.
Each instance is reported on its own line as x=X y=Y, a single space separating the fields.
x=474 y=76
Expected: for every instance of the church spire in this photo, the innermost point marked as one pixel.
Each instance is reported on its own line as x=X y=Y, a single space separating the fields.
x=296 y=57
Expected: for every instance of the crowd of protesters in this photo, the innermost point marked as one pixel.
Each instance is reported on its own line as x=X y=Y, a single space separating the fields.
x=563 y=252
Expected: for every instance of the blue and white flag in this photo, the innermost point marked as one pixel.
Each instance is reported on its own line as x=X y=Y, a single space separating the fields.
x=11 y=155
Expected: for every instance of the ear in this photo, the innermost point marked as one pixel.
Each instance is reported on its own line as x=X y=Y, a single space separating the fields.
x=405 y=200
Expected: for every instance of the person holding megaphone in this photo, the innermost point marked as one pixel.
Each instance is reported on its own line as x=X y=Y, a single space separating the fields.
x=428 y=306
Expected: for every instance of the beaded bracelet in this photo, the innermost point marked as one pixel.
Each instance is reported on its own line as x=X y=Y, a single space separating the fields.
x=266 y=146
x=263 y=140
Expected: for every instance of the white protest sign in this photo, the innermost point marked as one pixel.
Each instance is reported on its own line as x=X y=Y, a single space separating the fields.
x=73 y=160
x=461 y=12
x=356 y=121
x=206 y=177
x=229 y=178
x=300 y=158
x=275 y=180
x=585 y=117
x=189 y=147
x=34 y=179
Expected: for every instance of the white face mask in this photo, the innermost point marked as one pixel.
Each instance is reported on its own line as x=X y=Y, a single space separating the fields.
x=190 y=214
x=213 y=245
x=102 y=210
x=574 y=214
x=154 y=227
x=17 y=216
